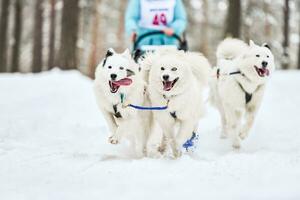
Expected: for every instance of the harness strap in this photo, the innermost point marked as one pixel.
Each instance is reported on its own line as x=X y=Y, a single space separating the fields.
x=229 y=74
x=148 y=108
x=122 y=97
x=233 y=73
x=218 y=73
x=116 y=113
x=173 y=114
x=248 y=96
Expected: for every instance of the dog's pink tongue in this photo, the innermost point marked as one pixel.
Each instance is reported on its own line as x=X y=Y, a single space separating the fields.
x=267 y=72
x=123 y=82
x=167 y=85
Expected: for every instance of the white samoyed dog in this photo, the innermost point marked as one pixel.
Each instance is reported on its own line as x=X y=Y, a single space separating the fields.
x=241 y=75
x=177 y=79
x=118 y=83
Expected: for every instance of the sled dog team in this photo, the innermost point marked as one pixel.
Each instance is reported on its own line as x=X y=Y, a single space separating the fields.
x=165 y=89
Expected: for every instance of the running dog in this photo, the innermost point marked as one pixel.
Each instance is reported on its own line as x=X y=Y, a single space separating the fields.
x=177 y=79
x=242 y=72
x=119 y=82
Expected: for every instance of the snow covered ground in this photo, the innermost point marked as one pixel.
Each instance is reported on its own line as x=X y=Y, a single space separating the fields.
x=53 y=145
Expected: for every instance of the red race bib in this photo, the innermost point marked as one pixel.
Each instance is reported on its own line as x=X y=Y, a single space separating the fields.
x=157 y=14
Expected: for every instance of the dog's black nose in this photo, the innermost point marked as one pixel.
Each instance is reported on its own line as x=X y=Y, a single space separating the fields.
x=166 y=77
x=113 y=76
x=264 y=64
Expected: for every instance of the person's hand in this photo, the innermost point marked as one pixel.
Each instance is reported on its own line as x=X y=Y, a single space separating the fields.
x=168 y=31
x=133 y=36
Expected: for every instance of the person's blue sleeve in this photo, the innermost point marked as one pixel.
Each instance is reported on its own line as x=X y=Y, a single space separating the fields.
x=132 y=16
x=180 y=19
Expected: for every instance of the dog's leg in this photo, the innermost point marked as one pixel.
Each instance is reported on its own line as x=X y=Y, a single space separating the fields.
x=116 y=137
x=121 y=128
x=220 y=107
x=185 y=132
x=140 y=138
x=167 y=123
x=112 y=125
x=233 y=119
x=124 y=125
x=249 y=120
x=251 y=112
x=156 y=146
x=163 y=146
x=224 y=133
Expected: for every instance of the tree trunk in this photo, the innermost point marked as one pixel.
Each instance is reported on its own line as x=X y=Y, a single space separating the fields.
x=299 y=36
x=3 y=34
x=233 y=23
x=18 y=26
x=51 y=57
x=37 y=60
x=299 y=51
x=204 y=46
x=286 y=31
x=121 y=27
x=268 y=25
x=94 y=54
x=246 y=25
x=69 y=35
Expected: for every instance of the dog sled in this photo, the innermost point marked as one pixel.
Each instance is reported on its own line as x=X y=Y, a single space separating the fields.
x=138 y=51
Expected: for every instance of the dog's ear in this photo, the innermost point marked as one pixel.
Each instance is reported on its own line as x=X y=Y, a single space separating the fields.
x=130 y=72
x=109 y=53
x=252 y=44
x=266 y=45
x=126 y=54
x=137 y=54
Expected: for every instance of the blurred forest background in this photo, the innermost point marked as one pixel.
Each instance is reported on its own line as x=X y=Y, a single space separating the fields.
x=38 y=35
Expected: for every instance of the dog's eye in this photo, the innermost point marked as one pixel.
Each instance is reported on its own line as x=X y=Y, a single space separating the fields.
x=257 y=56
x=268 y=56
x=121 y=68
x=162 y=68
x=174 y=69
x=109 y=67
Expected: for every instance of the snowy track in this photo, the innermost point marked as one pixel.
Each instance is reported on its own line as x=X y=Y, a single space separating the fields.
x=53 y=146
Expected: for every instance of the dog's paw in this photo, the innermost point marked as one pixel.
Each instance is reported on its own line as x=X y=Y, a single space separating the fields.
x=113 y=140
x=236 y=143
x=177 y=154
x=154 y=155
x=140 y=155
x=153 y=152
x=223 y=136
x=243 y=135
x=161 y=149
x=236 y=146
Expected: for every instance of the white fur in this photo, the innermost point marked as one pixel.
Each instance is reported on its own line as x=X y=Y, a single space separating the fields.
x=134 y=124
x=185 y=98
x=228 y=92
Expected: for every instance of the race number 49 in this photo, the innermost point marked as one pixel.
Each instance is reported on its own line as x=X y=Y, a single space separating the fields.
x=160 y=19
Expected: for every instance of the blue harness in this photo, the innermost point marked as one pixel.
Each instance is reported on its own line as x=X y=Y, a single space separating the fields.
x=189 y=145
x=148 y=108
x=122 y=96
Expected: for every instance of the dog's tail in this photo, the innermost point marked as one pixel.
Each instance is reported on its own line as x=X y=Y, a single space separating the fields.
x=200 y=66
x=230 y=49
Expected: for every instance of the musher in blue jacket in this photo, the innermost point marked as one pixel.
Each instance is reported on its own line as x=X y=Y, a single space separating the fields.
x=143 y=16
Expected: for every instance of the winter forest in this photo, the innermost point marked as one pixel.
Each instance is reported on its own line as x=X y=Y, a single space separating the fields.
x=38 y=35
x=55 y=143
